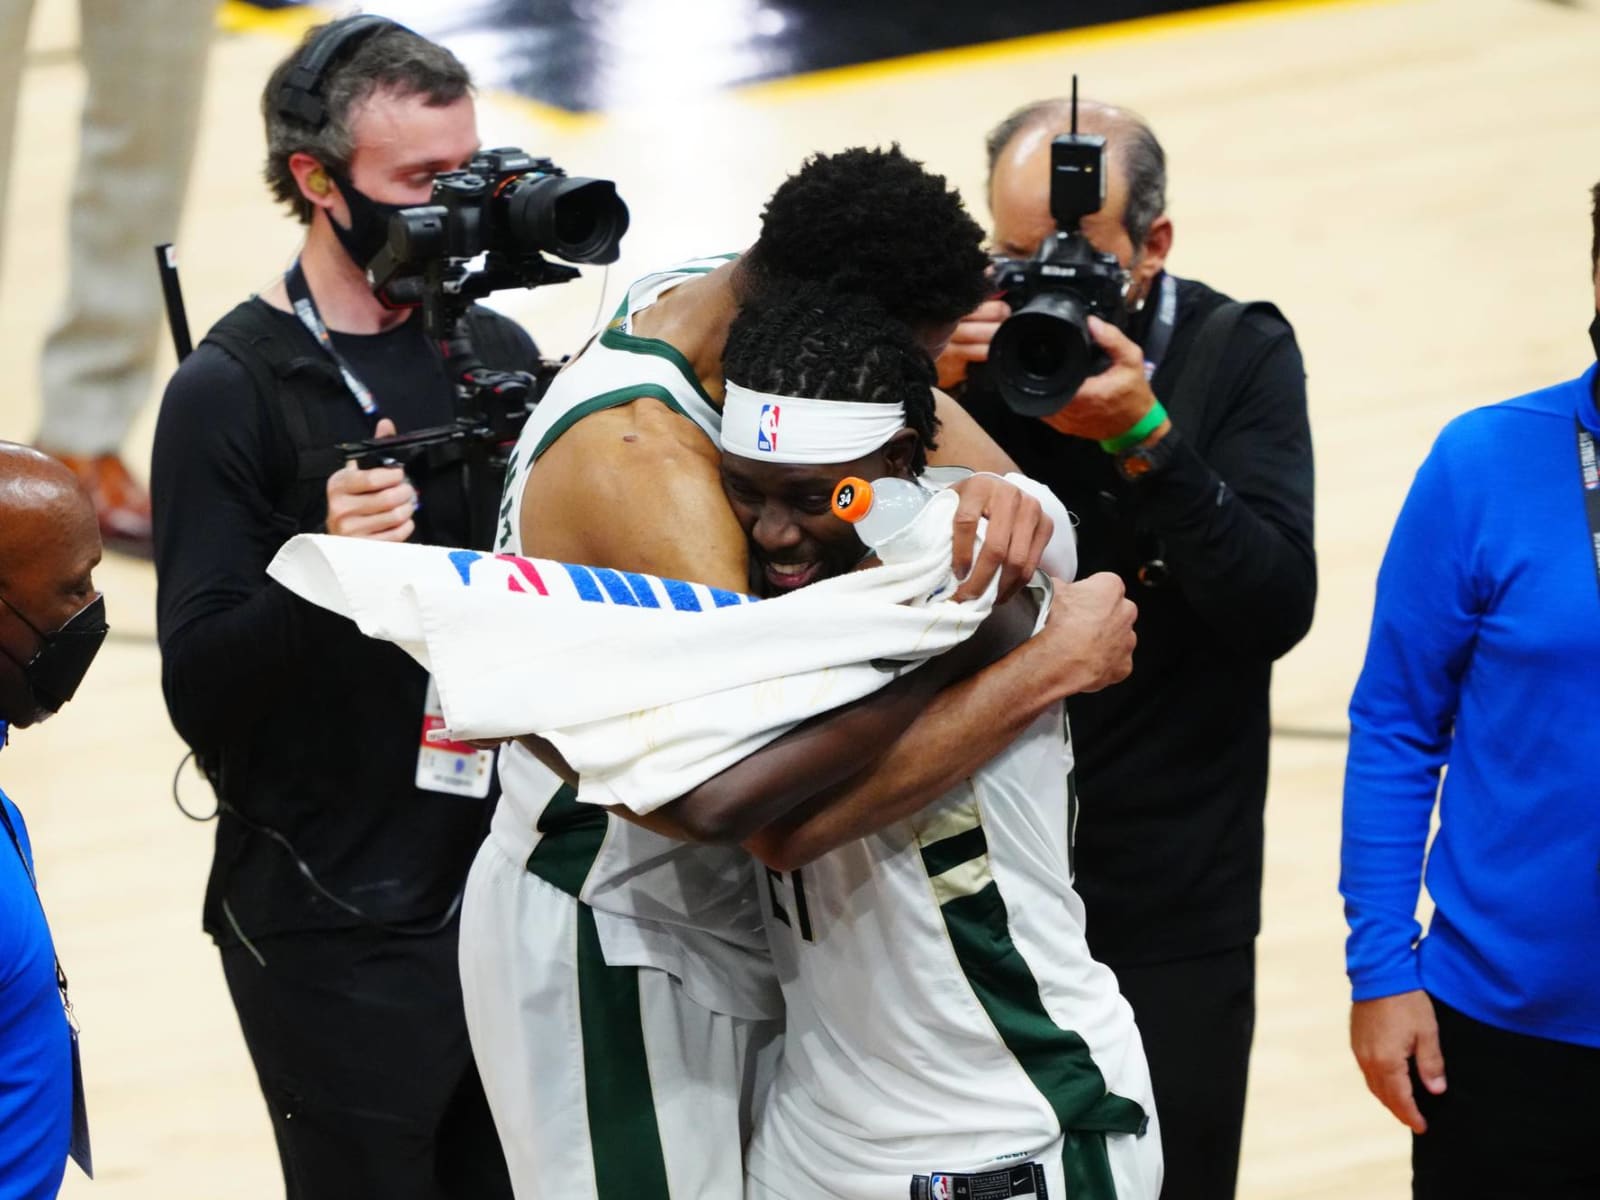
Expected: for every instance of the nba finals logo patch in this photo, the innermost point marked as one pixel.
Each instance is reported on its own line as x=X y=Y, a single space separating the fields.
x=767 y=428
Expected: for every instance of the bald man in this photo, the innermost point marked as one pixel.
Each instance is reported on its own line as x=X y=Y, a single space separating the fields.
x=1187 y=462
x=52 y=622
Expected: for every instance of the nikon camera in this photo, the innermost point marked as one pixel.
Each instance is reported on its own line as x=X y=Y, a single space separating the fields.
x=1043 y=352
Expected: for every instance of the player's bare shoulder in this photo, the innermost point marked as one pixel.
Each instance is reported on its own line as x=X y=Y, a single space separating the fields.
x=618 y=481
x=641 y=439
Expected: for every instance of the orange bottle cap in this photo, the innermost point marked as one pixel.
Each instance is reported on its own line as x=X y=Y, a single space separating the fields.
x=852 y=499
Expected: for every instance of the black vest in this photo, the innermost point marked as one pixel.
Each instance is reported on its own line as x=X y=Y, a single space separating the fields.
x=296 y=379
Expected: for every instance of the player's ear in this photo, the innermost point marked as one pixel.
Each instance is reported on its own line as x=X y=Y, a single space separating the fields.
x=1152 y=256
x=898 y=453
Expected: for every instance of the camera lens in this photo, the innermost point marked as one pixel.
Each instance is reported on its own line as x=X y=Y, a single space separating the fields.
x=580 y=220
x=1042 y=354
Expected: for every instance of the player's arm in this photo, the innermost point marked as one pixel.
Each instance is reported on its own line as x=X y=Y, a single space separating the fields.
x=962 y=441
x=823 y=752
x=1086 y=644
x=861 y=767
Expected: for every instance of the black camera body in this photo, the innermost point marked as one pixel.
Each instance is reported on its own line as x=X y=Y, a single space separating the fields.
x=510 y=209
x=1043 y=352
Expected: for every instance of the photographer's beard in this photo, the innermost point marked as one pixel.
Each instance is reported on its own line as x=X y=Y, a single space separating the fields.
x=368 y=230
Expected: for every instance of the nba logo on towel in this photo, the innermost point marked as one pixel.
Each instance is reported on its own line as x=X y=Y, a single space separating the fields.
x=940 y=1188
x=767 y=428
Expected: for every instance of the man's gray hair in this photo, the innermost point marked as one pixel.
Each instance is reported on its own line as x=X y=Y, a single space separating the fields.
x=1144 y=162
x=393 y=59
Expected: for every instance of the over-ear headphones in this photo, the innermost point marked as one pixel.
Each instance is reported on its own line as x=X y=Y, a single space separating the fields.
x=300 y=94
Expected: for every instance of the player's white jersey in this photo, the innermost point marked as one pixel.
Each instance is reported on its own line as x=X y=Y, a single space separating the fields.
x=688 y=910
x=943 y=1012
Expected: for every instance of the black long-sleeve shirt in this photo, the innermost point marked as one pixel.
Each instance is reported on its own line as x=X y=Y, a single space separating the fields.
x=1172 y=763
x=312 y=729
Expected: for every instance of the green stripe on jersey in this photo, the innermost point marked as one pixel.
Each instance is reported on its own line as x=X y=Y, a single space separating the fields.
x=645 y=282
x=611 y=399
x=573 y=832
x=1086 y=1165
x=1056 y=1060
x=624 y=1138
x=953 y=851
x=631 y=343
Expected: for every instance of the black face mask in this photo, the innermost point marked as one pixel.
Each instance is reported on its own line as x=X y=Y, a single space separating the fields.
x=1594 y=334
x=58 y=666
x=369 y=222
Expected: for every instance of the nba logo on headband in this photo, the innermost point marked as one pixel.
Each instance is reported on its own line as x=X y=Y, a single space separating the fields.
x=814 y=431
x=767 y=428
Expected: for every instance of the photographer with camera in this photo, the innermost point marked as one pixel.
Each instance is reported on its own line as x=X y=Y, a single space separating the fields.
x=344 y=835
x=1172 y=422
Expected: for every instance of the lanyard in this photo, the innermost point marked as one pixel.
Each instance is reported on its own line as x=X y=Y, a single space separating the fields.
x=1591 y=489
x=61 y=976
x=306 y=309
x=1166 y=316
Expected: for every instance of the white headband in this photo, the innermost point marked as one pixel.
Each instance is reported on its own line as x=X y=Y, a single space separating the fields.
x=792 y=429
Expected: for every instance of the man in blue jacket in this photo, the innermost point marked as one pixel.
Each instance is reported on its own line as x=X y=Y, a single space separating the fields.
x=1484 y=656
x=52 y=622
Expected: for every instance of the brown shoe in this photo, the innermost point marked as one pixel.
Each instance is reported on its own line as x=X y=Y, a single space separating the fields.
x=120 y=501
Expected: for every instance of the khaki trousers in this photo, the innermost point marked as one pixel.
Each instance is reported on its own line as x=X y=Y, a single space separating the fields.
x=145 y=61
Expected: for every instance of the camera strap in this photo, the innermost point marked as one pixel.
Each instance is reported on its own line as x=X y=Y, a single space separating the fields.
x=294 y=281
x=1590 y=474
x=1162 y=323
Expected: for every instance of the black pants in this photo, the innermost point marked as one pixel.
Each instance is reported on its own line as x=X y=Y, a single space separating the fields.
x=1197 y=1017
x=1519 y=1118
x=360 y=1046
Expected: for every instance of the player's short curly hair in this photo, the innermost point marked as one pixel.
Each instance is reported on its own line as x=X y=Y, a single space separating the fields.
x=827 y=345
x=871 y=223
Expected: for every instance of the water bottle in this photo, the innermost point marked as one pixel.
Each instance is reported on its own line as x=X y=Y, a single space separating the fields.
x=879 y=509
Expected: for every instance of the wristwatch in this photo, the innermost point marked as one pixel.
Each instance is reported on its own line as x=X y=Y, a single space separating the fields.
x=1142 y=461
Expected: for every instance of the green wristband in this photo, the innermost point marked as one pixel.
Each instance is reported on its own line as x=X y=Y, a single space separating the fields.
x=1147 y=425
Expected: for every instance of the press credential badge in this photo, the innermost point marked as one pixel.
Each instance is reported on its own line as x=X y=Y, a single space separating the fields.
x=454 y=768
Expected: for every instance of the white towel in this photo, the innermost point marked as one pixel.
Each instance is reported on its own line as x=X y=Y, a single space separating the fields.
x=648 y=687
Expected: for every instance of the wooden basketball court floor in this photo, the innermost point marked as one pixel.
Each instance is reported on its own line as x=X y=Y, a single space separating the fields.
x=1407 y=179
